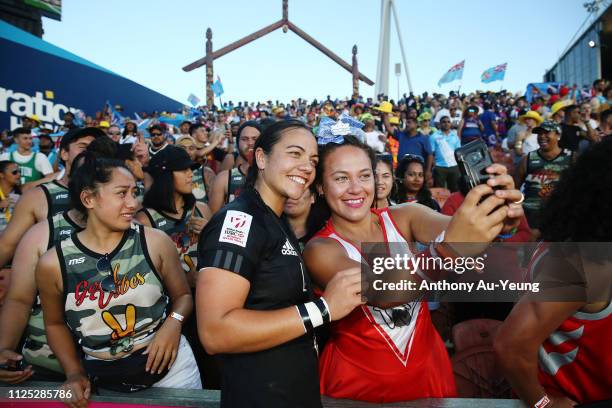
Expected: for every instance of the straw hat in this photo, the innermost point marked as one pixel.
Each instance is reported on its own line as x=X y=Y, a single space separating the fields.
x=531 y=115
x=385 y=107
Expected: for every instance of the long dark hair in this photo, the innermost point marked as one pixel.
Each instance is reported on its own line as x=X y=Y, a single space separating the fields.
x=126 y=132
x=320 y=212
x=89 y=175
x=423 y=196
x=579 y=206
x=160 y=195
x=271 y=136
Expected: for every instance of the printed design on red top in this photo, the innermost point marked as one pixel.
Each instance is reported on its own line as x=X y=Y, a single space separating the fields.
x=236 y=227
x=288 y=249
x=398 y=336
x=563 y=349
x=398 y=333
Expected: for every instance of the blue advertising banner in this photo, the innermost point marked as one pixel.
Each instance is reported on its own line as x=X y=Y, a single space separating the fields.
x=39 y=78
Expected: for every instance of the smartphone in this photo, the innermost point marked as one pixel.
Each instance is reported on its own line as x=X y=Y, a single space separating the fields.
x=18 y=365
x=473 y=159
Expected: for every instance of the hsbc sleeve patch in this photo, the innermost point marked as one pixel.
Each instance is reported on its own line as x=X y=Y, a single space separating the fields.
x=236 y=227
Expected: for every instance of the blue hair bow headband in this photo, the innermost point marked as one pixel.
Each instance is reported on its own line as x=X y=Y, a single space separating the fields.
x=331 y=131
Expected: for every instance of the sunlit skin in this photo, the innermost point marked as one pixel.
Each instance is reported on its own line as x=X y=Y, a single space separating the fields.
x=183 y=181
x=11 y=176
x=246 y=142
x=157 y=138
x=113 y=204
x=549 y=143
x=24 y=143
x=414 y=178
x=384 y=183
x=297 y=212
x=288 y=169
x=348 y=183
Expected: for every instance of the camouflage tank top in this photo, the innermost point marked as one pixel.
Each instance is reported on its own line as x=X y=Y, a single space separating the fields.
x=199 y=186
x=36 y=350
x=112 y=311
x=178 y=230
x=57 y=198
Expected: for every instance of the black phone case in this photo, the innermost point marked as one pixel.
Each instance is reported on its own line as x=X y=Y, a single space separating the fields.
x=472 y=169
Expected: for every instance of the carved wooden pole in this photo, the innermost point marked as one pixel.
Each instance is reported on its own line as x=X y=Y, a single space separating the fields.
x=355 y=75
x=285 y=15
x=210 y=96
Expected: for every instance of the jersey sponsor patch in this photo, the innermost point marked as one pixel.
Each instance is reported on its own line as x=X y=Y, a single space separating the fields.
x=288 y=249
x=236 y=227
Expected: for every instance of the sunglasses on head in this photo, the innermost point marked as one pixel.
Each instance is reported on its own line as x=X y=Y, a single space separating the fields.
x=413 y=157
x=386 y=157
x=103 y=266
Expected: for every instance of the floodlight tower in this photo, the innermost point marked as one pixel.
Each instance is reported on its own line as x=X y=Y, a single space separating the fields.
x=387 y=7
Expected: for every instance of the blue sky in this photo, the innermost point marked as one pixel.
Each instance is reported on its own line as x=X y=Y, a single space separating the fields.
x=150 y=41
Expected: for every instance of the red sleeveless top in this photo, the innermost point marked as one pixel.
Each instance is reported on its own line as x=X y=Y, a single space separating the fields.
x=370 y=358
x=574 y=360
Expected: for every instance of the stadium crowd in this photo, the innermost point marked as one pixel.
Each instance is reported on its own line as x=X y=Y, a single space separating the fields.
x=191 y=249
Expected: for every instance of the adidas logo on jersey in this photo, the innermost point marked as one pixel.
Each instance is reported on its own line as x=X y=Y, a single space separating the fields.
x=288 y=249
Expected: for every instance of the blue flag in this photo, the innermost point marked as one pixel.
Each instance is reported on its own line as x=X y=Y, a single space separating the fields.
x=116 y=118
x=455 y=72
x=193 y=100
x=496 y=73
x=217 y=87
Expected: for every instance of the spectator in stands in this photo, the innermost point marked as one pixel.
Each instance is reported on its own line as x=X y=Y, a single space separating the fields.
x=9 y=190
x=572 y=132
x=128 y=340
x=411 y=142
x=22 y=313
x=410 y=174
x=68 y=121
x=605 y=124
x=34 y=167
x=374 y=138
x=158 y=139
x=489 y=122
x=130 y=133
x=114 y=132
x=202 y=176
x=48 y=199
x=423 y=121
x=527 y=140
x=599 y=87
x=228 y=184
x=385 y=181
x=46 y=146
x=169 y=205
x=554 y=352
x=444 y=142
x=367 y=355
x=297 y=212
x=470 y=127
x=540 y=171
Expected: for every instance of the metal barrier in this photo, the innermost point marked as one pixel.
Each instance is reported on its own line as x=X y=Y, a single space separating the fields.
x=171 y=397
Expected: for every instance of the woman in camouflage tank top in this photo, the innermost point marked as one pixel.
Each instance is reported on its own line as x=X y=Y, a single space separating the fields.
x=109 y=287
